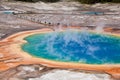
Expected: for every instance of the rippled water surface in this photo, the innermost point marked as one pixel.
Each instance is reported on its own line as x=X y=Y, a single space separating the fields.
x=75 y=46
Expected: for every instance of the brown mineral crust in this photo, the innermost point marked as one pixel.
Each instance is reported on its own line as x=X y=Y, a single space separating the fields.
x=112 y=30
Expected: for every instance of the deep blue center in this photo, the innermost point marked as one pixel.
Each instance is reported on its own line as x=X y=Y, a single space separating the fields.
x=75 y=46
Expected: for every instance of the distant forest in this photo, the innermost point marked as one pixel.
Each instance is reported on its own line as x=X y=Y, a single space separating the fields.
x=98 y=1
x=39 y=0
x=82 y=1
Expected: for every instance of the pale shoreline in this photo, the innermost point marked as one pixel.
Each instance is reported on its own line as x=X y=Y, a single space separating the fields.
x=14 y=48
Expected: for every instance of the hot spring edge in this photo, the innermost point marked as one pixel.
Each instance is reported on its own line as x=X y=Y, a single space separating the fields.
x=74 y=46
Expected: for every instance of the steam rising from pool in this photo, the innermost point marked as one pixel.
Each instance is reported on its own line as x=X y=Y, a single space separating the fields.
x=75 y=46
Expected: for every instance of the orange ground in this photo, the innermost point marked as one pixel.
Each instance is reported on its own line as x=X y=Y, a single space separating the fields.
x=13 y=56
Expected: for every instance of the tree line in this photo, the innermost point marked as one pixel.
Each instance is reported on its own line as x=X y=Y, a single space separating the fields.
x=82 y=1
x=98 y=1
x=39 y=0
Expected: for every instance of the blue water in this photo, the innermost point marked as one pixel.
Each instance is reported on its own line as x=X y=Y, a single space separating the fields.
x=93 y=13
x=8 y=12
x=74 y=46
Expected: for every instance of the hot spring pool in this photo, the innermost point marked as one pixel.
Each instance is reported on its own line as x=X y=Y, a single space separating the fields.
x=74 y=46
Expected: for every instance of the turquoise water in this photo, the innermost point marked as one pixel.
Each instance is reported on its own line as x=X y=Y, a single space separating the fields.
x=8 y=12
x=93 y=13
x=74 y=46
